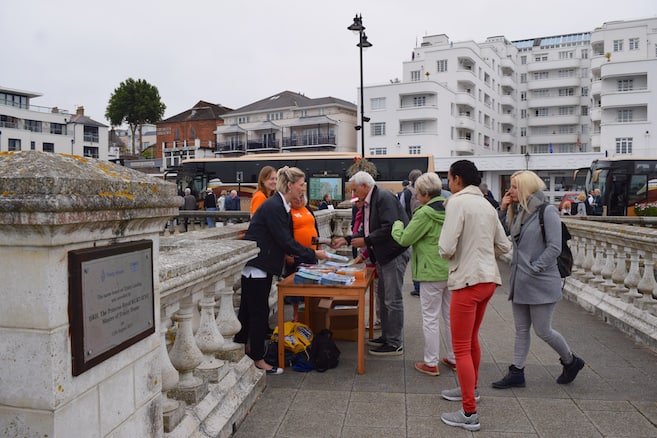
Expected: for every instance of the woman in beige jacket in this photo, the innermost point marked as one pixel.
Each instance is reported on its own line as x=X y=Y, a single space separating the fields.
x=471 y=238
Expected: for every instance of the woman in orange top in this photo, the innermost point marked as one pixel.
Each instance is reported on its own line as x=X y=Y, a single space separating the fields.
x=266 y=187
x=304 y=230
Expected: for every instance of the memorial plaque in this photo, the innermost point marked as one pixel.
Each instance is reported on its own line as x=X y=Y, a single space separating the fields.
x=111 y=301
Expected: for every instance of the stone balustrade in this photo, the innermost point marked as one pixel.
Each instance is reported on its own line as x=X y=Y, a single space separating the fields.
x=614 y=275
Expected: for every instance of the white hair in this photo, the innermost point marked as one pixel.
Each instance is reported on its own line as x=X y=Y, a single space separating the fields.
x=362 y=177
x=188 y=191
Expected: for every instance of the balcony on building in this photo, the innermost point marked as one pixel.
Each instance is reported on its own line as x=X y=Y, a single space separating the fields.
x=571 y=119
x=463 y=144
x=310 y=134
x=507 y=99
x=264 y=138
x=465 y=64
x=539 y=84
x=231 y=140
x=465 y=120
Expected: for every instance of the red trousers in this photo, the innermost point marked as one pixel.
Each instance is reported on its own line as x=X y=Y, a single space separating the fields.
x=466 y=313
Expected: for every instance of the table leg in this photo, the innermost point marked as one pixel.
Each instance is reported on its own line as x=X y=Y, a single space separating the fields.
x=281 y=329
x=372 y=309
x=361 y=333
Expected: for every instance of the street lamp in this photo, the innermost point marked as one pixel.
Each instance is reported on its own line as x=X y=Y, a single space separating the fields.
x=357 y=26
x=527 y=157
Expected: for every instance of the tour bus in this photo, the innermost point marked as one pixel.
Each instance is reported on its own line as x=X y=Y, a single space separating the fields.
x=623 y=182
x=326 y=172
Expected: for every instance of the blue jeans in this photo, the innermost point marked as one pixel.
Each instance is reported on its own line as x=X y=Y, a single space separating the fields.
x=209 y=219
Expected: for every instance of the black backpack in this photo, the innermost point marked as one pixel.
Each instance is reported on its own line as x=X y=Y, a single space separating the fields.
x=324 y=354
x=565 y=258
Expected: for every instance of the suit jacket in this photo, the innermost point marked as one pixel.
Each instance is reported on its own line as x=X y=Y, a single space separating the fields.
x=384 y=210
x=270 y=228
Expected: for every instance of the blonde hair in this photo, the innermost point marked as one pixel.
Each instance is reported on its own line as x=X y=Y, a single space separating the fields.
x=428 y=184
x=581 y=197
x=528 y=183
x=288 y=175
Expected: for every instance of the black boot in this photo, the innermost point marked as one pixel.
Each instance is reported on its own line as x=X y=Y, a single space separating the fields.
x=570 y=371
x=515 y=378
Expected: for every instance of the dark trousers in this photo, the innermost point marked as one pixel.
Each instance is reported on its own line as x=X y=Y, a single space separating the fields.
x=254 y=315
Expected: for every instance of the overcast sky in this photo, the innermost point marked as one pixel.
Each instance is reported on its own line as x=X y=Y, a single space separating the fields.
x=237 y=52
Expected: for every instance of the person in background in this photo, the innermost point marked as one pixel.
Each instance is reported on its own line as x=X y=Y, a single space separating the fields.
x=362 y=255
x=221 y=202
x=380 y=210
x=581 y=204
x=471 y=238
x=232 y=202
x=535 y=283
x=190 y=204
x=270 y=228
x=410 y=202
x=488 y=195
x=305 y=231
x=210 y=204
x=597 y=203
x=405 y=184
x=266 y=187
x=325 y=203
x=422 y=232
x=565 y=208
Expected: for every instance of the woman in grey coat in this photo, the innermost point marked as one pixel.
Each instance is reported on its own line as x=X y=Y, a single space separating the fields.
x=535 y=283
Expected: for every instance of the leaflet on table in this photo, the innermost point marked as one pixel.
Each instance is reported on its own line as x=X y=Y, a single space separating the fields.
x=304 y=276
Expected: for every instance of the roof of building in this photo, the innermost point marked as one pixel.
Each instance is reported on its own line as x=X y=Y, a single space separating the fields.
x=201 y=111
x=85 y=120
x=289 y=99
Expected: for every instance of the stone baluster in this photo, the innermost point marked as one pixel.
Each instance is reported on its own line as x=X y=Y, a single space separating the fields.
x=598 y=264
x=209 y=339
x=588 y=261
x=653 y=309
x=578 y=259
x=172 y=410
x=633 y=277
x=647 y=283
x=620 y=272
x=608 y=269
x=229 y=325
x=186 y=356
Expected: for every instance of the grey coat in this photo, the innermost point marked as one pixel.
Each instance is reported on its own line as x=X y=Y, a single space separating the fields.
x=535 y=277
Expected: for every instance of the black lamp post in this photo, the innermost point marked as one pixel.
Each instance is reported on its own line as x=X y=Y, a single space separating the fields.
x=357 y=26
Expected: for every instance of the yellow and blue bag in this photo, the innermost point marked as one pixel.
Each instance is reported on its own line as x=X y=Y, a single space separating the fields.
x=297 y=336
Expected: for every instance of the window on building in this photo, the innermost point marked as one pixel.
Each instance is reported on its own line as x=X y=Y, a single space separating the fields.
x=378 y=151
x=567 y=54
x=48 y=147
x=584 y=110
x=419 y=101
x=91 y=151
x=33 y=125
x=624 y=145
x=418 y=127
x=541 y=75
x=566 y=73
x=523 y=59
x=91 y=134
x=415 y=150
x=624 y=115
x=541 y=112
x=415 y=75
x=13 y=144
x=441 y=65
x=378 y=129
x=523 y=96
x=585 y=53
x=192 y=133
x=57 y=128
x=540 y=57
x=378 y=103
x=523 y=78
x=585 y=91
x=523 y=132
x=176 y=135
x=33 y=145
x=278 y=115
x=542 y=92
x=618 y=45
x=633 y=44
x=566 y=92
x=523 y=113
x=625 y=84
x=243 y=119
x=566 y=110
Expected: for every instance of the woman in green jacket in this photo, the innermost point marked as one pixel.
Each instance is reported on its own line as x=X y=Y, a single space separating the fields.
x=430 y=270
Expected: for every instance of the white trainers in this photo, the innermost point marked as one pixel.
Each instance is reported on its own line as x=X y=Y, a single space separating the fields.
x=455 y=394
x=458 y=419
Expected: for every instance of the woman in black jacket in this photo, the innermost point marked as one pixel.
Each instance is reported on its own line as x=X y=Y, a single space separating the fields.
x=270 y=229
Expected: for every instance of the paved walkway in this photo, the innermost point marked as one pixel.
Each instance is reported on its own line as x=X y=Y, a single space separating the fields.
x=615 y=395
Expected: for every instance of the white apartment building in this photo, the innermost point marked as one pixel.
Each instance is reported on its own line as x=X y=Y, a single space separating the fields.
x=24 y=126
x=549 y=104
x=288 y=122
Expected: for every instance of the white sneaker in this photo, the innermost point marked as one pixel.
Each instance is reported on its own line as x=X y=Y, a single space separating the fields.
x=458 y=419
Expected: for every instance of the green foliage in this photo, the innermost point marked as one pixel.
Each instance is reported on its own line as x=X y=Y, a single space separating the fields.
x=135 y=102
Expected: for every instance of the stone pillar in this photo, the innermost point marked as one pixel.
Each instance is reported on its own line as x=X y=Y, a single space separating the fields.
x=633 y=277
x=228 y=325
x=209 y=339
x=51 y=204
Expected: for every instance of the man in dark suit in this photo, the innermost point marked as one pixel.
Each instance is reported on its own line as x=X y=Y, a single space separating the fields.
x=380 y=210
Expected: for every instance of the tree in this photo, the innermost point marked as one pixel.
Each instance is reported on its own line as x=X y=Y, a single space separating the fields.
x=135 y=103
